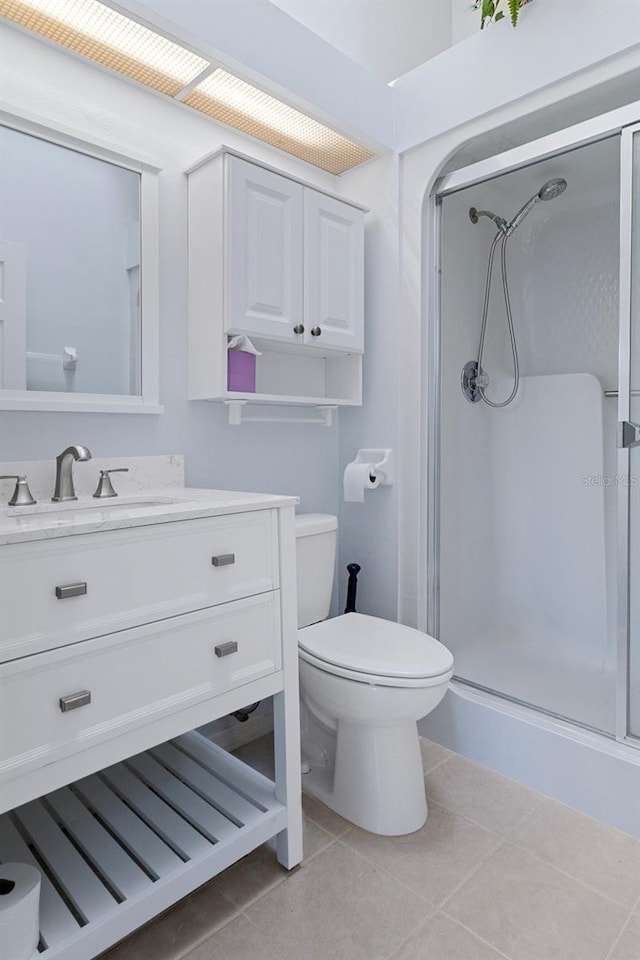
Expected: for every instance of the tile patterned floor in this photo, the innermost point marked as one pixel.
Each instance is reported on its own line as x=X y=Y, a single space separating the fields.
x=498 y=871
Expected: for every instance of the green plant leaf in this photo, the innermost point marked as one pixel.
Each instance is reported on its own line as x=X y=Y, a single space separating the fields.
x=499 y=16
x=514 y=10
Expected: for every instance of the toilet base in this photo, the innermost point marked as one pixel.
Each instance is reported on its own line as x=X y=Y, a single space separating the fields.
x=376 y=780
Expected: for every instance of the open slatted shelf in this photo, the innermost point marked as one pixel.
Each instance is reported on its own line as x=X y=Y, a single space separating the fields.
x=118 y=847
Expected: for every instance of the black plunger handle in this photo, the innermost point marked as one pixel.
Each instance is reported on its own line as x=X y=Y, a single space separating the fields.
x=353 y=570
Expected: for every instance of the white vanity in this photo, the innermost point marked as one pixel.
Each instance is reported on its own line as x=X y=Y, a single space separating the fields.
x=124 y=627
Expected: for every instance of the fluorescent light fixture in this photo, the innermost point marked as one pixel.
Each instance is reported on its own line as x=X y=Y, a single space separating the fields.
x=96 y=31
x=101 y=34
x=239 y=104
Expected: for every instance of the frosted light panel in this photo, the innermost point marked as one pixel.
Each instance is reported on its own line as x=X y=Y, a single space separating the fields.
x=111 y=39
x=231 y=100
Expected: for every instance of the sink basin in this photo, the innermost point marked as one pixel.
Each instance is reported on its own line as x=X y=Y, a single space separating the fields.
x=45 y=515
x=46 y=520
x=110 y=504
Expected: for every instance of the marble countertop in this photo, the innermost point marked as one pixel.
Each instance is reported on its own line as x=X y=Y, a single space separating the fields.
x=46 y=521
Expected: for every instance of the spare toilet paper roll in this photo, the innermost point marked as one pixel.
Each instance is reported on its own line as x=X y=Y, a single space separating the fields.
x=359 y=477
x=19 y=911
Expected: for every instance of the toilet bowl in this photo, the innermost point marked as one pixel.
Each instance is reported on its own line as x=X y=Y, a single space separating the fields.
x=364 y=684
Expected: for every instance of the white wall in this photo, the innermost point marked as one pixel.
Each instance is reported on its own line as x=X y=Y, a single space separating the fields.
x=387 y=37
x=554 y=39
x=369 y=530
x=265 y=45
x=465 y=21
x=301 y=460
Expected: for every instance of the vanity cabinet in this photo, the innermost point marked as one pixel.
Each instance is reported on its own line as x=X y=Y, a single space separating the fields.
x=283 y=263
x=117 y=640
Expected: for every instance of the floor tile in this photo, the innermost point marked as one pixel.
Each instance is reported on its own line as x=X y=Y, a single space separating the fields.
x=443 y=939
x=238 y=940
x=338 y=906
x=530 y=911
x=332 y=822
x=432 y=754
x=258 y=872
x=594 y=852
x=435 y=859
x=491 y=800
x=252 y=876
x=628 y=946
x=179 y=929
x=259 y=755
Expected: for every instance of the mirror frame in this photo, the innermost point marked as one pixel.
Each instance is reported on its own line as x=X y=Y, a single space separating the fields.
x=148 y=400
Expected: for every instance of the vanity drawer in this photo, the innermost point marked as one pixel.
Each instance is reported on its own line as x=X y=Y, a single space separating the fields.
x=116 y=683
x=60 y=591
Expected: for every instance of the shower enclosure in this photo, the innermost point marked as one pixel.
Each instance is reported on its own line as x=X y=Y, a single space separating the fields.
x=534 y=452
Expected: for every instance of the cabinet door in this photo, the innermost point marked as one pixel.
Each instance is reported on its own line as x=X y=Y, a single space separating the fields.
x=334 y=273
x=264 y=250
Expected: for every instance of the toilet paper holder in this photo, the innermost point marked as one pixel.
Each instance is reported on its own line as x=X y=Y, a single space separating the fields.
x=384 y=465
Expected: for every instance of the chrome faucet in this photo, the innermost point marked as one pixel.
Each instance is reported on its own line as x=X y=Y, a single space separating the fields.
x=64 y=476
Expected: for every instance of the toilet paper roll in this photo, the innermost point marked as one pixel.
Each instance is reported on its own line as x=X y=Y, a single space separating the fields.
x=19 y=911
x=359 y=477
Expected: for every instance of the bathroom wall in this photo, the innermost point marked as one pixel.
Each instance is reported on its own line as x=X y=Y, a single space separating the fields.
x=388 y=37
x=555 y=39
x=301 y=460
x=369 y=530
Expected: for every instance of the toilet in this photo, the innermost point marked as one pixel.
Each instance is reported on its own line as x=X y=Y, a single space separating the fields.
x=364 y=684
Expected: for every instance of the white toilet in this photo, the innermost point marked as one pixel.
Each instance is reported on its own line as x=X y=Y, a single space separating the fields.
x=364 y=684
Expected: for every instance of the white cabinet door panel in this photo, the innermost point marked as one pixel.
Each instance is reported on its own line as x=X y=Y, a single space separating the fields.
x=334 y=273
x=264 y=267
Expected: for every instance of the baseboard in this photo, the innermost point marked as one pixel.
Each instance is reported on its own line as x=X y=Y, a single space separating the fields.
x=233 y=737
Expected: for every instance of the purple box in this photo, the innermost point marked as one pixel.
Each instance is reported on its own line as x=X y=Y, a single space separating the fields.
x=241 y=371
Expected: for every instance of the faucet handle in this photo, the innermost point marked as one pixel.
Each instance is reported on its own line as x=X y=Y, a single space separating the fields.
x=105 y=487
x=21 y=495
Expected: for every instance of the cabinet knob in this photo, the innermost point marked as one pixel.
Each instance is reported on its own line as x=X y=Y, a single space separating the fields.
x=316 y=331
x=299 y=328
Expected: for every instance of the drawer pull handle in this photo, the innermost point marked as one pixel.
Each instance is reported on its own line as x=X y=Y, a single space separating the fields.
x=223 y=560
x=75 y=700
x=224 y=649
x=71 y=590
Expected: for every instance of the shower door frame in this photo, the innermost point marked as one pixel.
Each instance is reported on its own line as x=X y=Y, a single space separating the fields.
x=623 y=122
x=623 y=720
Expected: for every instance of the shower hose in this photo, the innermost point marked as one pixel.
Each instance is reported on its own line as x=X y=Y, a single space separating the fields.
x=481 y=380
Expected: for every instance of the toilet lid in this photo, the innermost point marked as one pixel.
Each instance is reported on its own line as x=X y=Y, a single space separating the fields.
x=376 y=647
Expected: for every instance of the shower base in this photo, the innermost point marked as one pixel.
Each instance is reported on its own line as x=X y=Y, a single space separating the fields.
x=532 y=672
x=588 y=771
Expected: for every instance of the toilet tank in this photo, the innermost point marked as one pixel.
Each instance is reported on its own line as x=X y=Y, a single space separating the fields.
x=316 y=536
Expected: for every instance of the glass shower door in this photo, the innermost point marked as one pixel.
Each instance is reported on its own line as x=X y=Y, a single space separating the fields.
x=630 y=399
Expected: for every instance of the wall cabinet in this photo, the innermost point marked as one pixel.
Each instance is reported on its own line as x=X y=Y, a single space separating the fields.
x=283 y=263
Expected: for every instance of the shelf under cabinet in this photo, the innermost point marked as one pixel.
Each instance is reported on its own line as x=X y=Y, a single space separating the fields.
x=120 y=846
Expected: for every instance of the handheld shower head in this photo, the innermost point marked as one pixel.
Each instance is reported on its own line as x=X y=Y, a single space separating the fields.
x=548 y=191
x=552 y=189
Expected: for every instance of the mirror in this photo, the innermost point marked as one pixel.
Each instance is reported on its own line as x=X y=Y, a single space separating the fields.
x=72 y=274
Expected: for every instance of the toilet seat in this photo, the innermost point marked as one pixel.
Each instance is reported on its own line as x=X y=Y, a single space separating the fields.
x=375 y=651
